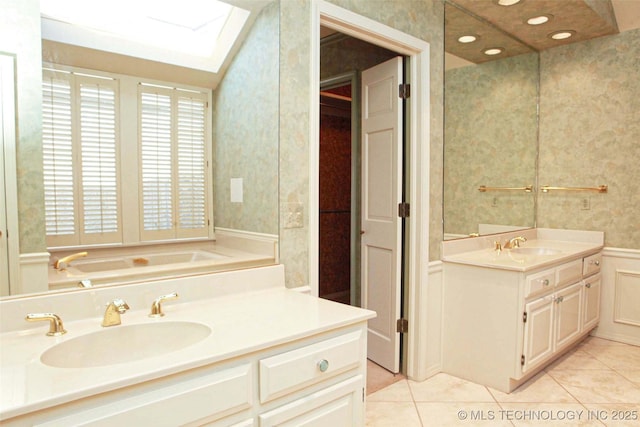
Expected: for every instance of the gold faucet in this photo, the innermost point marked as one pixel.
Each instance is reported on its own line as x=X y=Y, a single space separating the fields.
x=56 y=328
x=156 y=308
x=112 y=314
x=63 y=263
x=514 y=243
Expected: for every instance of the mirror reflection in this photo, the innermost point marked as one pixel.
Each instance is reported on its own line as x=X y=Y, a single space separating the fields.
x=490 y=130
x=217 y=206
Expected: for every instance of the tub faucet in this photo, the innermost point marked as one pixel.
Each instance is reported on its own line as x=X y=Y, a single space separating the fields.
x=63 y=263
x=514 y=243
x=112 y=314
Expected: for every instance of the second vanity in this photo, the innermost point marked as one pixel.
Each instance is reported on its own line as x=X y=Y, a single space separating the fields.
x=261 y=355
x=509 y=312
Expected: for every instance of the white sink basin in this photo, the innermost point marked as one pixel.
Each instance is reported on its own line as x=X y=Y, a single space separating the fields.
x=121 y=344
x=535 y=251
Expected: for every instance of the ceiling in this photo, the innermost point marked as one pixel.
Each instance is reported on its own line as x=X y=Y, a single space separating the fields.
x=506 y=27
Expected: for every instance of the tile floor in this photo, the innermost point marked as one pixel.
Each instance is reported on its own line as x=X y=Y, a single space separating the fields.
x=595 y=384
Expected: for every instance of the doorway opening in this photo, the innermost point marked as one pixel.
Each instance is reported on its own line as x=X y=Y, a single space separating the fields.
x=361 y=185
x=416 y=354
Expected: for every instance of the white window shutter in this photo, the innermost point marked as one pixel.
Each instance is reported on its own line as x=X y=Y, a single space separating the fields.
x=57 y=146
x=156 y=170
x=99 y=154
x=192 y=176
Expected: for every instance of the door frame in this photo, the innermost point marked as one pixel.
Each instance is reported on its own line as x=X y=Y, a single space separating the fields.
x=418 y=129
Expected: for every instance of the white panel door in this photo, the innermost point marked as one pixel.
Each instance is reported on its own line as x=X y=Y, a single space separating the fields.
x=381 y=194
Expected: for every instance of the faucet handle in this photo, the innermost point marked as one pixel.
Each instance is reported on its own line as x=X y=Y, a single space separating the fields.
x=156 y=307
x=56 y=328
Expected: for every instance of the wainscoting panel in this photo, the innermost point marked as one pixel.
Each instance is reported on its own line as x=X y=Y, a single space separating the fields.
x=620 y=309
x=627 y=298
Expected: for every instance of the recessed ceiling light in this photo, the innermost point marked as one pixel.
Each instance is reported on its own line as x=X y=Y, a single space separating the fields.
x=467 y=39
x=538 y=20
x=493 y=51
x=562 y=35
x=507 y=2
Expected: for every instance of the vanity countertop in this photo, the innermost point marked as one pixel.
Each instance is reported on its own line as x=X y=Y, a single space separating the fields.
x=532 y=255
x=543 y=248
x=241 y=323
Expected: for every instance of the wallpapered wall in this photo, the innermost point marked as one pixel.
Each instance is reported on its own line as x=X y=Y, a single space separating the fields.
x=20 y=35
x=590 y=135
x=490 y=139
x=245 y=131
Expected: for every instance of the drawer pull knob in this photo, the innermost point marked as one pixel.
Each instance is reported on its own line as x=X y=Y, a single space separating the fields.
x=323 y=365
x=545 y=282
x=559 y=299
x=588 y=285
x=597 y=262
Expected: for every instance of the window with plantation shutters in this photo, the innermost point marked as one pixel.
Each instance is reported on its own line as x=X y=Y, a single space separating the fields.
x=80 y=159
x=173 y=163
x=125 y=161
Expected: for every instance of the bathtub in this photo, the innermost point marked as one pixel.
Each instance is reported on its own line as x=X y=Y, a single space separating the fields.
x=144 y=260
x=129 y=265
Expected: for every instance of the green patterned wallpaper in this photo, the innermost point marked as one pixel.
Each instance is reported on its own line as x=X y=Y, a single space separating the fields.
x=590 y=135
x=491 y=140
x=20 y=36
x=245 y=131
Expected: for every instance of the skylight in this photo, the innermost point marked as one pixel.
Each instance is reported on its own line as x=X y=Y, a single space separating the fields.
x=192 y=33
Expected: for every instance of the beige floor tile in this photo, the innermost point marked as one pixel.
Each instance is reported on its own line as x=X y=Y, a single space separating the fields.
x=615 y=415
x=603 y=386
x=577 y=359
x=617 y=357
x=447 y=388
x=541 y=388
x=397 y=392
x=547 y=414
x=392 y=414
x=443 y=414
x=632 y=375
x=594 y=343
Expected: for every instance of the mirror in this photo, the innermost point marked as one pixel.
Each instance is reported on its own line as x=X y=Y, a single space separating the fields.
x=245 y=117
x=490 y=130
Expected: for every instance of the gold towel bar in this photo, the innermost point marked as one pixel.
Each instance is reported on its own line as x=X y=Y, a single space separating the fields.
x=599 y=189
x=484 y=188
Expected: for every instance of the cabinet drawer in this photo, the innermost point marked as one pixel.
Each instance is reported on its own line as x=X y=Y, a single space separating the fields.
x=591 y=264
x=540 y=282
x=212 y=396
x=291 y=371
x=569 y=273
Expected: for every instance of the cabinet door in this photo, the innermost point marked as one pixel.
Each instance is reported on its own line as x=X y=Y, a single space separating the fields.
x=538 y=332
x=591 y=303
x=568 y=314
x=338 y=405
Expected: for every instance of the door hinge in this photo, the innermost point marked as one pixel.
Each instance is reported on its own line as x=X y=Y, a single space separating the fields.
x=404 y=90
x=522 y=360
x=402 y=326
x=524 y=317
x=403 y=210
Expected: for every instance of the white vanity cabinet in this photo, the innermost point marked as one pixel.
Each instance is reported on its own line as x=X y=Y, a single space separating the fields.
x=501 y=326
x=317 y=381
